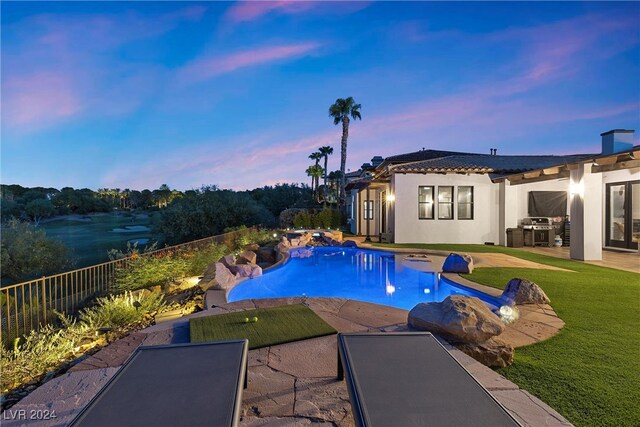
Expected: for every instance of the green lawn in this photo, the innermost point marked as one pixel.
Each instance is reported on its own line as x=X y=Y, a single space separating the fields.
x=90 y=241
x=277 y=325
x=590 y=371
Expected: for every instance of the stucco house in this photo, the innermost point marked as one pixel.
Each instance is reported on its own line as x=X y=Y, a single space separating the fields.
x=433 y=196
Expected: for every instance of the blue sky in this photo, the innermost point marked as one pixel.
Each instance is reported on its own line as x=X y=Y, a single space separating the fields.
x=134 y=95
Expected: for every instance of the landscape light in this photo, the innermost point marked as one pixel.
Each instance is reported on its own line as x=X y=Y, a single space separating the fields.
x=275 y=235
x=508 y=314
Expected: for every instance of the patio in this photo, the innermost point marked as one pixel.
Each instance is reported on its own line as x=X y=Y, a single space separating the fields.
x=289 y=384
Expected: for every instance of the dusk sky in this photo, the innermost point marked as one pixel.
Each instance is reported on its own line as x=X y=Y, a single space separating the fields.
x=134 y=95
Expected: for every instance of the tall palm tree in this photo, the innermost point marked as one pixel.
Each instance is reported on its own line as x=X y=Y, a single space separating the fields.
x=340 y=111
x=316 y=156
x=325 y=151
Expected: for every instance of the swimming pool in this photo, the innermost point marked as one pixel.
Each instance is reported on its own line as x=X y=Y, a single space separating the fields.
x=365 y=275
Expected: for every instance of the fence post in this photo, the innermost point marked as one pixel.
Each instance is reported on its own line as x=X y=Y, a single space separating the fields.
x=44 y=300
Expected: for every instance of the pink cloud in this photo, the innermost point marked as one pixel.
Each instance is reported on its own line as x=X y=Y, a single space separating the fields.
x=39 y=98
x=250 y=10
x=206 y=68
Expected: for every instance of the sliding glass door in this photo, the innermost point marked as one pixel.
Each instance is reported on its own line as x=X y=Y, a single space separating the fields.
x=623 y=215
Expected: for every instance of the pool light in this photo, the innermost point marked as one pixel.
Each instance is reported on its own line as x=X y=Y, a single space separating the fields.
x=390 y=289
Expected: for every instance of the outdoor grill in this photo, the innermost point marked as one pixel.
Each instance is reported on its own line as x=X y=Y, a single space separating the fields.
x=537 y=223
x=538 y=231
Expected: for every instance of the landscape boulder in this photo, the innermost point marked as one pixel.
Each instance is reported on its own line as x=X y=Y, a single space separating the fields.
x=285 y=242
x=248 y=270
x=247 y=257
x=228 y=260
x=523 y=291
x=282 y=247
x=224 y=277
x=266 y=255
x=494 y=352
x=208 y=278
x=251 y=247
x=349 y=244
x=459 y=317
x=457 y=263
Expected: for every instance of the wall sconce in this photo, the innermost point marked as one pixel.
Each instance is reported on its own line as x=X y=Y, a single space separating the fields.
x=391 y=198
x=576 y=188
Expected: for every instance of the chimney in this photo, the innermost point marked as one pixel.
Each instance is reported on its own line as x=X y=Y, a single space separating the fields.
x=617 y=140
x=376 y=161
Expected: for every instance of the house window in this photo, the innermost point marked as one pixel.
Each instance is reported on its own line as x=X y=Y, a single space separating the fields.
x=445 y=202
x=465 y=202
x=368 y=209
x=425 y=202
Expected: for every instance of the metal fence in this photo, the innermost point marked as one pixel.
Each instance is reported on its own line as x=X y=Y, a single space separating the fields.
x=30 y=305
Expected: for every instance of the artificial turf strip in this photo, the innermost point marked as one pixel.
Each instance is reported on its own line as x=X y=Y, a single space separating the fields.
x=277 y=325
x=590 y=371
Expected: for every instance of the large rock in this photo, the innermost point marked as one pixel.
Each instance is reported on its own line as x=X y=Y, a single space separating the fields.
x=457 y=263
x=523 y=291
x=266 y=255
x=349 y=244
x=248 y=270
x=224 y=277
x=282 y=247
x=494 y=352
x=228 y=261
x=247 y=257
x=251 y=247
x=208 y=278
x=285 y=242
x=459 y=317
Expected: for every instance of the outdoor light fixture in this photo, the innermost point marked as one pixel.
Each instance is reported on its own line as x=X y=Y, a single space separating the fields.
x=508 y=314
x=275 y=235
x=391 y=198
x=427 y=291
x=576 y=188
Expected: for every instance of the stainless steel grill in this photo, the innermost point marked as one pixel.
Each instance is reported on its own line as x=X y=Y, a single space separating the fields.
x=538 y=223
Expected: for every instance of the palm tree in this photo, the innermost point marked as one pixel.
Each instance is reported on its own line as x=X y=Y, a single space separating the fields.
x=325 y=151
x=315 y=172
x=316 y=156
x=340 y=111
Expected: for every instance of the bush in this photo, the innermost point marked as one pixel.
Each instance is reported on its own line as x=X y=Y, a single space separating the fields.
x=203 y=257
x=116 y=311
x=27 y=252
x=287 y=216
x=46 y=349
x=326 y=218
x=145 y=271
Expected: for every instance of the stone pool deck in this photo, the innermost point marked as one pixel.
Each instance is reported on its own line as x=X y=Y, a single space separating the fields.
x=292 y=384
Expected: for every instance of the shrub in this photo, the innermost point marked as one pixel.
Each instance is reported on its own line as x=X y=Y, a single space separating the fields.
x=116 y=311
x=287 y=216
x=27 y=252
x=203 y=257
x=39 y=352
x=326 y=218
x=46 y=349
x=145 y=271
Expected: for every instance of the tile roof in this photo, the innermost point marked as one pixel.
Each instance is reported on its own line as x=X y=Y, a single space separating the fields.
x=423 y=155
x=486 y=163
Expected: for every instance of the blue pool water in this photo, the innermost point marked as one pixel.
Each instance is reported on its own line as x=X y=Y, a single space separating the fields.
x=365 y=275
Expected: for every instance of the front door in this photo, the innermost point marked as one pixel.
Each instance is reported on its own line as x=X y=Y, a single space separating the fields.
x=623 y=215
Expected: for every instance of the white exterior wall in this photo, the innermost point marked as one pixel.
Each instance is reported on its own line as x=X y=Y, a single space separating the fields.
x=521 y=198
x=409 y=229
